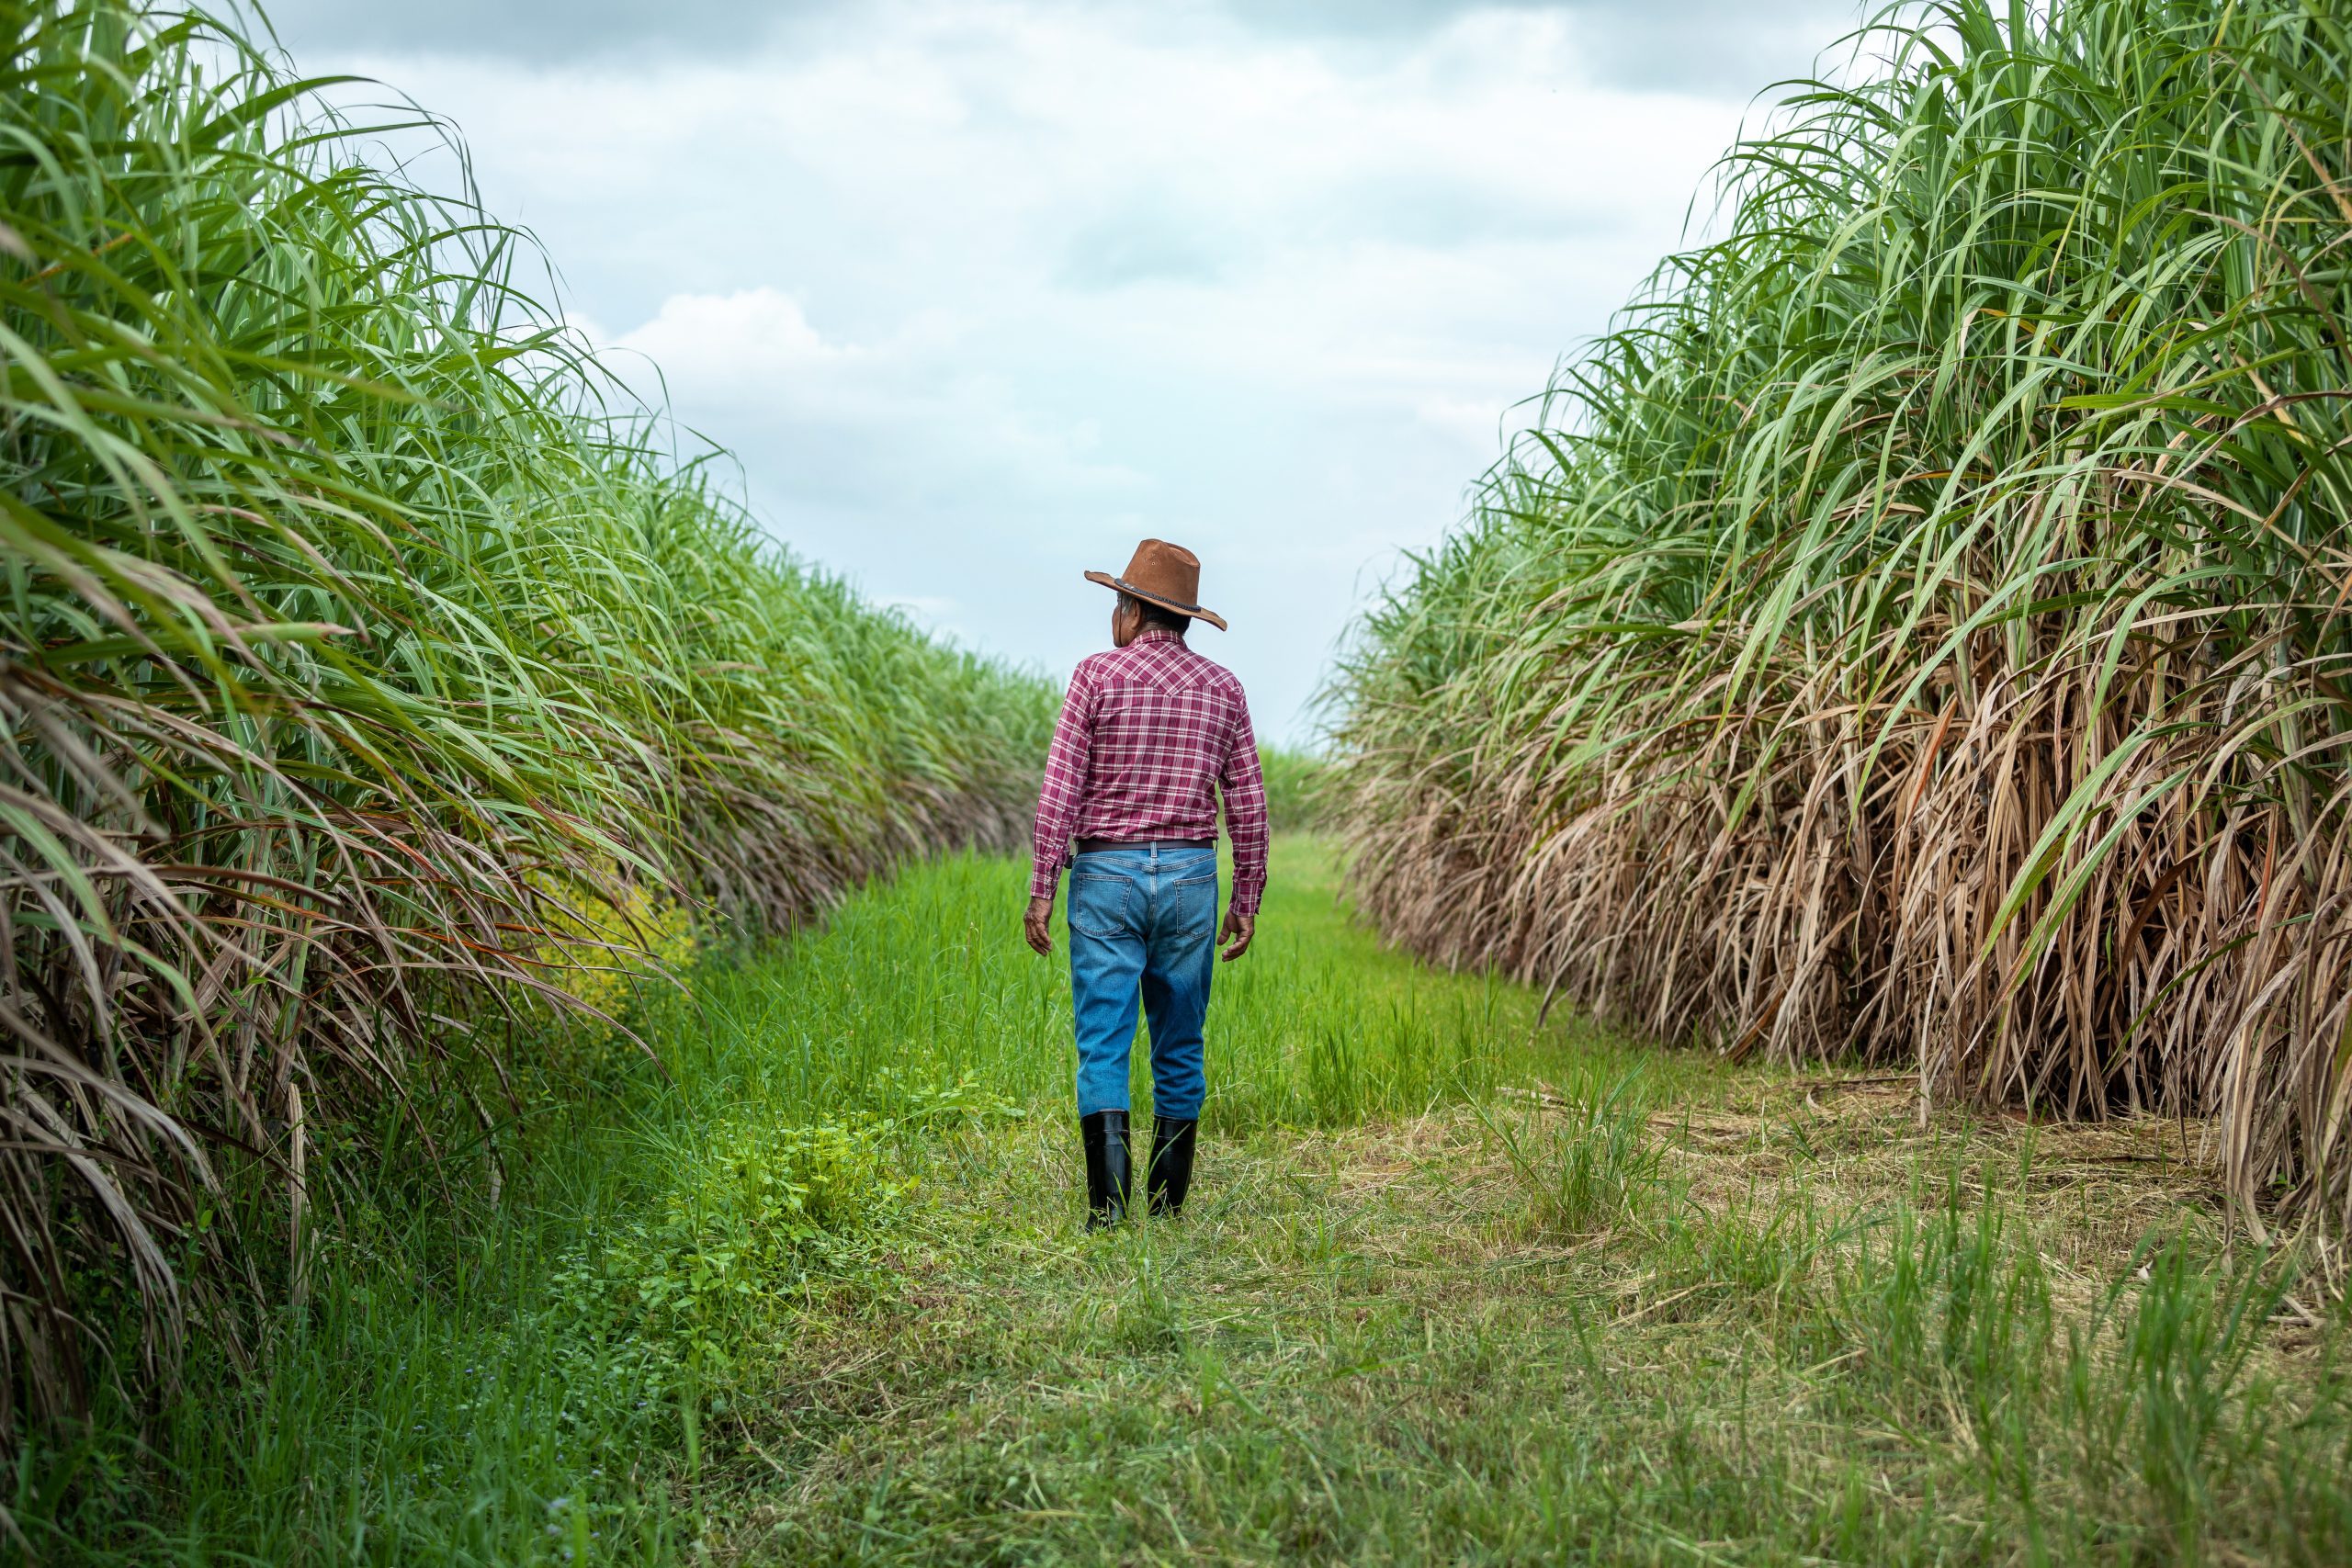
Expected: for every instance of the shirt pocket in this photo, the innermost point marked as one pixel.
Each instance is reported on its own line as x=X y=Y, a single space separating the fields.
x=1100 y=905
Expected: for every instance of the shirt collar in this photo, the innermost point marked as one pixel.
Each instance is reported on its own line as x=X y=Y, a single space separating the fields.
x=1159 y=634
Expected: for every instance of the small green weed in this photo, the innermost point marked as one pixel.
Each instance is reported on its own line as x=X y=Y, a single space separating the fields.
x=699 y=1296
x=1591 y=1164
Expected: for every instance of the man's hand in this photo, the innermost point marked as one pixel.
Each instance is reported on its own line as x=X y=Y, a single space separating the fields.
x=1037 y=925
x=1237 y=930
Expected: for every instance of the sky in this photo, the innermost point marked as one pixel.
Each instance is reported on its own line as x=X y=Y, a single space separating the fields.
x=980 y=292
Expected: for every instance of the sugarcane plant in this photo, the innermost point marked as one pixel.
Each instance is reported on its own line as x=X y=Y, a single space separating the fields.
x=1918 y=629
x=367 y=659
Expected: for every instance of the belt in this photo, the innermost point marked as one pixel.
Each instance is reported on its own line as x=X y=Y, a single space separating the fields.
x=1094 y=846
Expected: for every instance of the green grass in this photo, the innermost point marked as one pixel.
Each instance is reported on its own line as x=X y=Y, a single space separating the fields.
x=1317 y=1026
x=1453 y=1288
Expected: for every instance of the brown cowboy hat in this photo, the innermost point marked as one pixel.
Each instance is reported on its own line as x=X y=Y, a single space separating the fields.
x=1163 y=574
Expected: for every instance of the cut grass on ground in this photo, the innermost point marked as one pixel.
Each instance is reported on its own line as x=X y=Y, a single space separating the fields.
x=1371 y=1346
x=1452 y=1287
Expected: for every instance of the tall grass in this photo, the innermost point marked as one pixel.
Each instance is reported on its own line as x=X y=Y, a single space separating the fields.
x=1919 y=630
x=358 y=643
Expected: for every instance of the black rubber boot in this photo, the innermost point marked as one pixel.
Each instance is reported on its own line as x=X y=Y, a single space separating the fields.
x=1105 y=1136
x=1171 y=1163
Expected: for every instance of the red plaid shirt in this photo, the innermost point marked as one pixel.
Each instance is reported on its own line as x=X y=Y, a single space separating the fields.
x=1144 y=732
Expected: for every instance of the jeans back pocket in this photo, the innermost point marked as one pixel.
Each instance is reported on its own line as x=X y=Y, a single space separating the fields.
x=1100 y=905
x=1195 y=902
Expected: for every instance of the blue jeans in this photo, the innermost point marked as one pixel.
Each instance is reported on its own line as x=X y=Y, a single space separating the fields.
x=1142 y=927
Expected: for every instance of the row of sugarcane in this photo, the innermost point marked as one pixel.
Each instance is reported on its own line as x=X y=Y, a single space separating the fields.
x=359 y=640
x=1921 y=631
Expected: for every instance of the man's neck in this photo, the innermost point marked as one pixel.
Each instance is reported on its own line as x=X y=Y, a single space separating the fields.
x=1159 y=634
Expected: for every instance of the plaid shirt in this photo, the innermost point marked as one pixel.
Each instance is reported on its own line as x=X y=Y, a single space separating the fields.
x=1144 y=732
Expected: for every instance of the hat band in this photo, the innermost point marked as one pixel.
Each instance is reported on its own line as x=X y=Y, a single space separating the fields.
x=1168 y=599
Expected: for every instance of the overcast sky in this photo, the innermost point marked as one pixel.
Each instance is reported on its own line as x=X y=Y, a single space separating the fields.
x=980 y=293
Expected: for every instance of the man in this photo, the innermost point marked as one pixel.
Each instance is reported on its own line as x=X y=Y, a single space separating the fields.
x=1148 y=731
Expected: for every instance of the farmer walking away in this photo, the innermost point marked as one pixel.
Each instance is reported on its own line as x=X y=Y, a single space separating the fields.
x=1150 y=733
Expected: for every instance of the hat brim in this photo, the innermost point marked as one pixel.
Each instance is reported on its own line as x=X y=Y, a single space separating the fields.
x=1122 y=586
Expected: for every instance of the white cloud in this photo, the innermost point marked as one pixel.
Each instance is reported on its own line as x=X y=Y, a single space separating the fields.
x=751 y=360
x=753 y=334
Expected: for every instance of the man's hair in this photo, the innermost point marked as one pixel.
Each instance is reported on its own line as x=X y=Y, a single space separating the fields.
x=1154 y=616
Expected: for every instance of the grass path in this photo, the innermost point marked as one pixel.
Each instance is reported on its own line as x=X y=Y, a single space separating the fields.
x=1453 y=1288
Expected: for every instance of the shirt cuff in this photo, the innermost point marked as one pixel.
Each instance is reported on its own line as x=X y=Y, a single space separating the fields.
x=1044 y=879
x=1247 y=894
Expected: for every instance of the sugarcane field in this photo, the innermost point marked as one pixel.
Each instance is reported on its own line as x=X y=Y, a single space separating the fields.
x=1696 y=910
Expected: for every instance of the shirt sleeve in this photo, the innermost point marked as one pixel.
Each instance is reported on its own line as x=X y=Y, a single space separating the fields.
x=1244 y=787
x=1065 y=781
